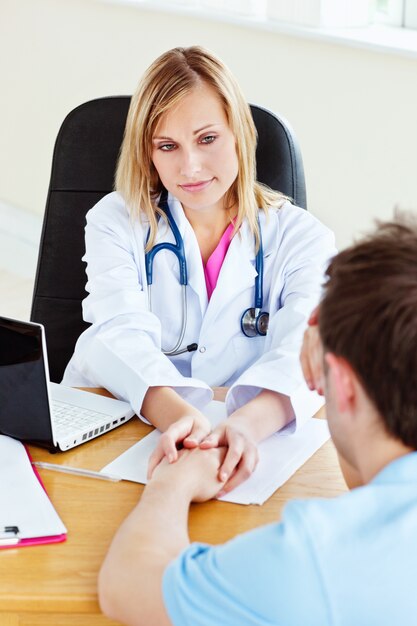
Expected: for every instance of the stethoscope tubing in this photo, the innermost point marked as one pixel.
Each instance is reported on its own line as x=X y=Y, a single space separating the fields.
x=259 y=266
x=251 y=318
x=175 y=350
x=177 y=248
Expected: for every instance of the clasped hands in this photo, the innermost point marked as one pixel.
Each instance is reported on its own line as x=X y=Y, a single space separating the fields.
x=235 y=435
x=194 y=431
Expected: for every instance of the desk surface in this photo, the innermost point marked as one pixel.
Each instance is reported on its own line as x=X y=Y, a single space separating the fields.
x=55 y=585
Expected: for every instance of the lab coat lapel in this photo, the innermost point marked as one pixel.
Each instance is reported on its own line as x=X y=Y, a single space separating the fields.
x=237 y=274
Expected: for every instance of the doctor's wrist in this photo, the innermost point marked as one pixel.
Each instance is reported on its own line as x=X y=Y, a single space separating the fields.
x=264 y=415
x=245 y=423
x=163 y=406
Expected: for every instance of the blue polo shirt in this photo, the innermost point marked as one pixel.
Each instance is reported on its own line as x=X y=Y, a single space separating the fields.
x=348 y=561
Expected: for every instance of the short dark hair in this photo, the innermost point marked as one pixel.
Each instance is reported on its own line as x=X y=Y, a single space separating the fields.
x=368 y=315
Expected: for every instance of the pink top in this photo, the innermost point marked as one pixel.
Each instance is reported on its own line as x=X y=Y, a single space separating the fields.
x=214 y=263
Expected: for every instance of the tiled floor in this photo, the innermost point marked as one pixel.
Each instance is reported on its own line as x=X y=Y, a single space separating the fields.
x=15 y=295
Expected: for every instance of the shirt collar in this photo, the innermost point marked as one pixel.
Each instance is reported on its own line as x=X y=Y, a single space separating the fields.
x=403 y=469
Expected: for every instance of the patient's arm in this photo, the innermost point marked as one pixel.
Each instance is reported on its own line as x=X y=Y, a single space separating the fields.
x=155 y=532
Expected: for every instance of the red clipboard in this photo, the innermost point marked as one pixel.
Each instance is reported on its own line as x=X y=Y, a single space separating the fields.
x=9 y=535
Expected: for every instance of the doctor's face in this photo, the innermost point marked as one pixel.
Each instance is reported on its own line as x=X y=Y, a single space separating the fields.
x=194 y=151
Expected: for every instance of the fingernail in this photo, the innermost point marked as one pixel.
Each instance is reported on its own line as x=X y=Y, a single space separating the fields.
x=223 y=476
x=170 y=458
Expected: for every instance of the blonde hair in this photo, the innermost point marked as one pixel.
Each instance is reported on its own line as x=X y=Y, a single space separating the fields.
x=170 y=77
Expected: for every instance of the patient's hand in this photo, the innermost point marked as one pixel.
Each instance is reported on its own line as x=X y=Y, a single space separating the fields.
x=195 y=473
x=311 y=356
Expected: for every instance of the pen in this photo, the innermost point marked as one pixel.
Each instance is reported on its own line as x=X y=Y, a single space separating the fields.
x=76 y=470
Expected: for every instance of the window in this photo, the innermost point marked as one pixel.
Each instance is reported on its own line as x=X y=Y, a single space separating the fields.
x=410 y=14
x=385 y=25
x=324 y=13
x=389 y=12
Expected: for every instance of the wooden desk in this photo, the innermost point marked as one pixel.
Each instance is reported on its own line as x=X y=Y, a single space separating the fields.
x=55 y=585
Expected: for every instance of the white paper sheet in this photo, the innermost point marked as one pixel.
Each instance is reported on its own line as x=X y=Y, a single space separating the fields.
x=23 y=501
x=280 y=456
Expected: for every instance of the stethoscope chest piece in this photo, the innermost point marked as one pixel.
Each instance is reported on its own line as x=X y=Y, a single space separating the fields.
x=254 y=322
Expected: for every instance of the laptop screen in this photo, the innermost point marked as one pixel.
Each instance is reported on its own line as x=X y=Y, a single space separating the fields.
x=24 y=404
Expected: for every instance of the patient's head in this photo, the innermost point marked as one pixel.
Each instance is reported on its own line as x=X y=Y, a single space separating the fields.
x=368 y=316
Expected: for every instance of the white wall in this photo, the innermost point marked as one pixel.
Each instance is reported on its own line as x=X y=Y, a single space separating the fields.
x=354 y=111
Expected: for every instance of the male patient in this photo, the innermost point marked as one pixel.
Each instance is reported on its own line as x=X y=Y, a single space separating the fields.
x=349 y=561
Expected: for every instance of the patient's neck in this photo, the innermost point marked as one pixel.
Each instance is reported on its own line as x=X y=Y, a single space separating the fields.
x=373 y=455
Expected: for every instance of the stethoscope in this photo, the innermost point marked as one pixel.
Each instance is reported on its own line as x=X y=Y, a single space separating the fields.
x=253 y=322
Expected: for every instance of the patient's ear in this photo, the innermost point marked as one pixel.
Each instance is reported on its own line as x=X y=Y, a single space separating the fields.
x=343 y=379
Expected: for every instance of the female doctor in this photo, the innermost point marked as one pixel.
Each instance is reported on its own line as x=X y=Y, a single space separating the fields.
x=186 y=259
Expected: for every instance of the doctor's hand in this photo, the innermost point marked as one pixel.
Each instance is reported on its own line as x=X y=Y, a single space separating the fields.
x=241 y=456
x=311 y=356
x=189 y=431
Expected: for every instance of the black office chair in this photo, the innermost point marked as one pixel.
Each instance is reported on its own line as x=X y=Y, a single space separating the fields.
x=83 y=167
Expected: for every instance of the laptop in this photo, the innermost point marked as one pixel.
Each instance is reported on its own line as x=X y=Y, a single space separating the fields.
x=35 y=410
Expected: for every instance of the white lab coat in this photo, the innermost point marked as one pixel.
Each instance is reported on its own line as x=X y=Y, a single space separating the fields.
x=121 y=351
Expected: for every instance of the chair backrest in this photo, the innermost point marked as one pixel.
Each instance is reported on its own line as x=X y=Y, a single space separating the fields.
x=83 y=167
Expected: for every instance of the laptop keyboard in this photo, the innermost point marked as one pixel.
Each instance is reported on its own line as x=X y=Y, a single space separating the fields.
x=71 y=419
